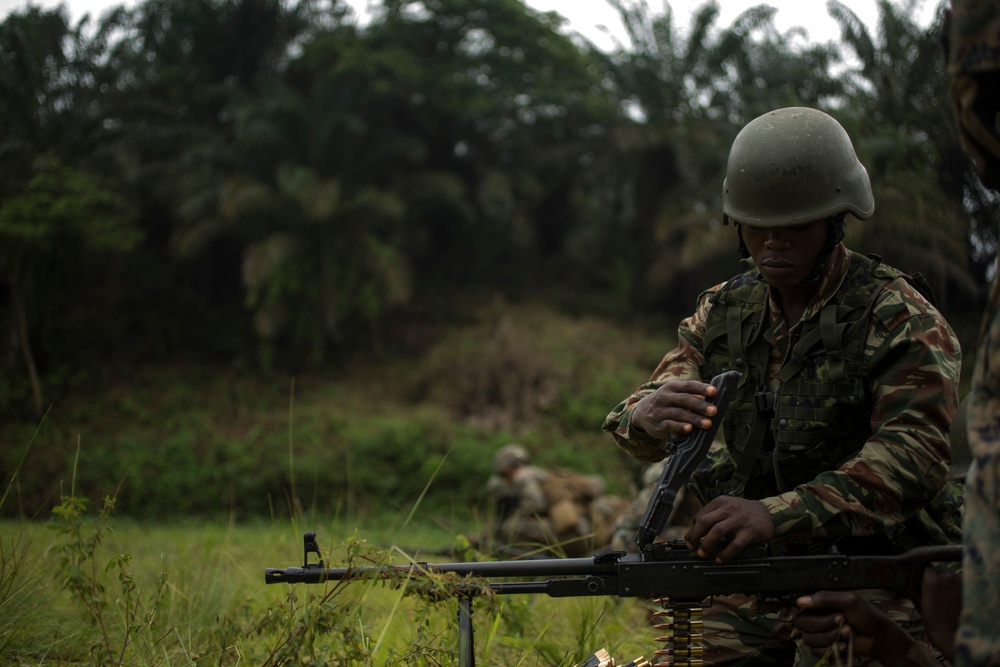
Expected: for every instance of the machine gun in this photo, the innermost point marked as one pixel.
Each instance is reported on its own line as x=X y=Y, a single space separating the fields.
x=666 y=571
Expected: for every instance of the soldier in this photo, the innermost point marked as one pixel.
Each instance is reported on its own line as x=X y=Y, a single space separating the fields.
x=972 y=50
x=837 y=431
x=550 y=510
x=973 y=55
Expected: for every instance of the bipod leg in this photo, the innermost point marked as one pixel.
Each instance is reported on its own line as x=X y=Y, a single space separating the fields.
x=466 y=650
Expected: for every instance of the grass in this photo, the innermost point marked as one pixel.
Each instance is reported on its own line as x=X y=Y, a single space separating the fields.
x=198 y=597
x=215 y=475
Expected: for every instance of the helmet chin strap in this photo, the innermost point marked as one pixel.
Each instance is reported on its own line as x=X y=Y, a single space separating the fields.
x=836 y=227
x=743 y=251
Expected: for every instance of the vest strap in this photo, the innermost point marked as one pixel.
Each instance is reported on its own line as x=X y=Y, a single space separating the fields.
x=763 y=402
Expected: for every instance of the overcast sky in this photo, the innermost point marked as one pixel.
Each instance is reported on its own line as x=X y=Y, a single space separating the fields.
x=587 y=16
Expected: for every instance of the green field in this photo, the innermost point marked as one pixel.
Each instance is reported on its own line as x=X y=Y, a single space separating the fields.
x=194 y=594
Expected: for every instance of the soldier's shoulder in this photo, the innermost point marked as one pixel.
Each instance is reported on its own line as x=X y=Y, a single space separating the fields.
x=903 y=294
x=536 y=473
x=901 y=304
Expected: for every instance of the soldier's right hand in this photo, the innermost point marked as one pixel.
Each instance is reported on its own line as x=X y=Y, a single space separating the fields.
x=676 y=408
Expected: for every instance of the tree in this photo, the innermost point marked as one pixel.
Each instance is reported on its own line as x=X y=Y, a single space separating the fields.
x=48 y=233
x=691 y=91
x=396 y=161
x=904 y=132
x=55 y=217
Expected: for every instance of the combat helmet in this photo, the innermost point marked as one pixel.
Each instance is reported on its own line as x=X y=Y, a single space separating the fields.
x=508 y=456
x=792 y=166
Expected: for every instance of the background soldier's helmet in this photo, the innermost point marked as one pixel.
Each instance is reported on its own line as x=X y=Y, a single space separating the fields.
x=792 y=166
x=508 y=456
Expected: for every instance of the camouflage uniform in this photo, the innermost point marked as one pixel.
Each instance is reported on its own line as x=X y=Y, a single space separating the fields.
x=556 y=510
x=978 y=640
x=973 y=51
x=526 y=519
x=864 y=466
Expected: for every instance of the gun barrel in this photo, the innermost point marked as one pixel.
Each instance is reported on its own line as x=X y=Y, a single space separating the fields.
x=677 y=574
x=540 y=567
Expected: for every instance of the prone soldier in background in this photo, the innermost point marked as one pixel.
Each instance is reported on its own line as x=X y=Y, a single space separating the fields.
x=557 y=511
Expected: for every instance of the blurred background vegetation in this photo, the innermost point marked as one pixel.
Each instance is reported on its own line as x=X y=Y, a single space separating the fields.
x=257 y=257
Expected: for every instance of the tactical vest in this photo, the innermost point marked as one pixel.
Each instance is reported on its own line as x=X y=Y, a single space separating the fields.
x=820 y=414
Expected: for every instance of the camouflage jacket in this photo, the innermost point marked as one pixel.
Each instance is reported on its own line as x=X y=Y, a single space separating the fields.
x=971 y=39
x=972 y=42
x=970 y=36
x=977 y=643
x=910 y=369
x=526 y=492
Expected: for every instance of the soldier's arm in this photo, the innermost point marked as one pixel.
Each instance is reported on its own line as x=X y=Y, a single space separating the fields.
x=681 y=363
x=836 y=621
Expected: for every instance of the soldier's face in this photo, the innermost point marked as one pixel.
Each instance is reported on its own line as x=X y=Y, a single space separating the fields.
x=786 y=256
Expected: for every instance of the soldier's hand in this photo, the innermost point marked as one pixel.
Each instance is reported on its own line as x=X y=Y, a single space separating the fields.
x=745 y=521
x=676 y=408
x=831 y=619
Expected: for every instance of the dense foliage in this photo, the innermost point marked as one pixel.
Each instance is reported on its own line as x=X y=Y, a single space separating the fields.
x=269 y=188
x=368 y=440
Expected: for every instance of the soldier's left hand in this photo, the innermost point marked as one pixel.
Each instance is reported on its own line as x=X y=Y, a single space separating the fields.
x=745 y=521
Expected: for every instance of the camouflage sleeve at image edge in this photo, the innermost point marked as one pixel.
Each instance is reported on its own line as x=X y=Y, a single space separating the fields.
x=978 y=640
x=972 y=37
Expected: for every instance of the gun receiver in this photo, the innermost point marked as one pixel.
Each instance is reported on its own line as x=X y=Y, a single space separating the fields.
x=668 y=569
x=665 y=570
x=688 y=454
